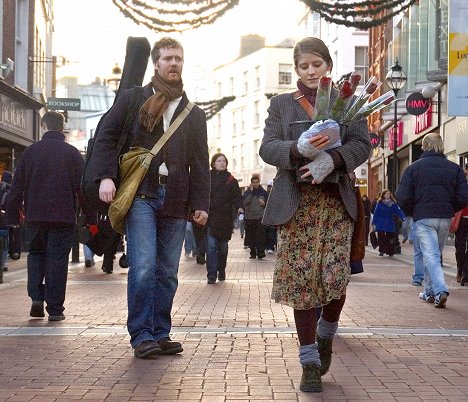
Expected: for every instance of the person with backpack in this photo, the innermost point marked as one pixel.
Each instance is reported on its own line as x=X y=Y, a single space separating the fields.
x=176 y=186
x=4 y=190
x=47 y=179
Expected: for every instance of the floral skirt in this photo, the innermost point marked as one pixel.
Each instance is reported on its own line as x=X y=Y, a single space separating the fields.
x=313 y=263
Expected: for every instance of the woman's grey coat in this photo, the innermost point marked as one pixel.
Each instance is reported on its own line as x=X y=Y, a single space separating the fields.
x=275 y=150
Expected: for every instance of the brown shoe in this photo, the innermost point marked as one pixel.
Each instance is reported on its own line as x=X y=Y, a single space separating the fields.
x=168 y=347
x=147 y=349
x=37 y=309
x=311 y=380
x=325 y=352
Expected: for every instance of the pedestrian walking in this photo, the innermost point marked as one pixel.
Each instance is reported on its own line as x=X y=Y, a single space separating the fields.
x=431 y=190
x=270 y=231
x=383 y=222
x=225 y=194
x=5 y=185
x=47 y=179
x=461 y=242
x=367 y=214
x=316 y=218
x=190 y=246
x=255 y=198
x=176 y=185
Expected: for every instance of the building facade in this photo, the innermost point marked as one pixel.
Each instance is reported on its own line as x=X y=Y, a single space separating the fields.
x=419 y=40
x=237 y=130
x=26 y=74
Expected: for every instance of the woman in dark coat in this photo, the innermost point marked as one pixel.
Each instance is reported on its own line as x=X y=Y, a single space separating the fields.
x=225 y=194
x=384 y=224
x=367 y=214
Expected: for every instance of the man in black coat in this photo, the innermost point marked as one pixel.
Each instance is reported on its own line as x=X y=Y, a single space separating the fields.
x=432 y=189
x=177 y=184
x=47 y=179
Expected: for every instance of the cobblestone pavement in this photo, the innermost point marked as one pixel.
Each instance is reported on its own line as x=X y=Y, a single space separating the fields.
x=239 y=345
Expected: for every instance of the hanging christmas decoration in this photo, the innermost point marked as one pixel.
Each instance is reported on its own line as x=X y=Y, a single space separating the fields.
x=359 y=14
x=215 y=106
x=174 y=15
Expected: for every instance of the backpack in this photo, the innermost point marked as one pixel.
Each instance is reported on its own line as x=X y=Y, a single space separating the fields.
x=90 y=186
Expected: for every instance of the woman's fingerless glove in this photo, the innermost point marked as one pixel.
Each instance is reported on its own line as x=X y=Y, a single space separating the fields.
x=321 y=166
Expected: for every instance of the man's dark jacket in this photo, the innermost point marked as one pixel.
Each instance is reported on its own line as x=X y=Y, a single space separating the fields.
x=185 y=155
x=225 y=194
x=47 y=178
x=432 y=187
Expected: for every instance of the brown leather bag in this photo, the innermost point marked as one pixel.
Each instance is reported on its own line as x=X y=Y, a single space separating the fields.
x=358 y=241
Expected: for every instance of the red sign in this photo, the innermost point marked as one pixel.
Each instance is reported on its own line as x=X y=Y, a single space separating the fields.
x=399 y=136
x=417 y=104
x=423 y=121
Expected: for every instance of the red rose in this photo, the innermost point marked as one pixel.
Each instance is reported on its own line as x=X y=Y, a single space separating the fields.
x=346 y=90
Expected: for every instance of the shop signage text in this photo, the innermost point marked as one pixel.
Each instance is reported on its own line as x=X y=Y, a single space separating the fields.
x=417 y=104
x=64 y=103
x=423 y=122
x=375 y=140
x=12 y=114
x=399 y=136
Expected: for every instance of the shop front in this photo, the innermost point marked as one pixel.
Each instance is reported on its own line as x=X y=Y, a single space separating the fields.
x=19 y=124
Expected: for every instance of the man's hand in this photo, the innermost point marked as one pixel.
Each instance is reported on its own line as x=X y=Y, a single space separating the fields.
x=200 y=217
x=107 y=190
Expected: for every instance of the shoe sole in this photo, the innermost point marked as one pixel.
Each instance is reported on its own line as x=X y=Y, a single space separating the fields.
x=56 y=318
x=442 y=301
x=148 y=354
x=311 y=389
x=430 y=300
x=173 y=351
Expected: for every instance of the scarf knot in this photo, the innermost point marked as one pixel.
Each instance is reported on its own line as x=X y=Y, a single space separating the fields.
x=153 y=109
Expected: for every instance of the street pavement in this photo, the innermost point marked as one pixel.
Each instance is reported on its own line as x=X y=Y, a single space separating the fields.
x=238 y=344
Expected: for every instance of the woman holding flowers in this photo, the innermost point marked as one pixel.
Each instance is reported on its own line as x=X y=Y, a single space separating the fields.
x=316 y=218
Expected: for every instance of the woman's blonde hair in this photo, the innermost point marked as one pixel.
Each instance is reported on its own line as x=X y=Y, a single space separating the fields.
x=433 y=142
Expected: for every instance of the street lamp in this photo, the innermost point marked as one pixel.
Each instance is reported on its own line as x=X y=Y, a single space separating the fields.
x=396 y=80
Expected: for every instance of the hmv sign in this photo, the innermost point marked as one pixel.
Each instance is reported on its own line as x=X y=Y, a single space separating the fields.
x=417 y=104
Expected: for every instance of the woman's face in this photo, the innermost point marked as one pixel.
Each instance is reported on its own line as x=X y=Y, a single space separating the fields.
x=387 y=195
x=310 y=68
x=220 y=163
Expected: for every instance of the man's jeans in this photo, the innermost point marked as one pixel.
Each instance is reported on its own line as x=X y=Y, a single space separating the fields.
x=49 y=250
x=430 y=237
x=88 y=254
x=216 y=255
x=154 y=245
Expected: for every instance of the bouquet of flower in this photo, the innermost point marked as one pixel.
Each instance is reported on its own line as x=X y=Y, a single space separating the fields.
x=386 y=99
x=322 y=99
x=370 y=87
x=342 y=101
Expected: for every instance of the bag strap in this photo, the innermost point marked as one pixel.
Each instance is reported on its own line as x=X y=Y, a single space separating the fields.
x=309 y=109
x=173 y=127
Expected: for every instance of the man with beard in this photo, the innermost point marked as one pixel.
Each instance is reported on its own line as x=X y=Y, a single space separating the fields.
x=176 y=186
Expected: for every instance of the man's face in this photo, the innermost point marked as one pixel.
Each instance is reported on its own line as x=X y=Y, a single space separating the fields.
x=255 y=183
x=170 y=64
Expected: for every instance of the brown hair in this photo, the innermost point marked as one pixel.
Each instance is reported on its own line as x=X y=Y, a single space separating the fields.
x=164 y=43
x=53 y=121
x=216 y=156
x=312 y=45
x=382 y=194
